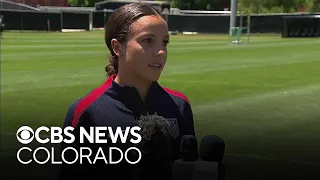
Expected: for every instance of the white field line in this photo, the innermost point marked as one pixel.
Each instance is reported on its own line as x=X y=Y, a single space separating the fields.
x=4 y=47
x=303 y=90
x=213 y=42
x=220 y=82
x=173 y=71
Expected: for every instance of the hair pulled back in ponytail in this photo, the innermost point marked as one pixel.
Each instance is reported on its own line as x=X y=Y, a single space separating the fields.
x=112 y=67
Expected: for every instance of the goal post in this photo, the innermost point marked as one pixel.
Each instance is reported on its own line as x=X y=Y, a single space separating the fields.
x=239 y=33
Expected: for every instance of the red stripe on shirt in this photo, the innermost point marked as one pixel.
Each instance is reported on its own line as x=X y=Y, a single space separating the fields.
x=176 y=93
x=89 y=99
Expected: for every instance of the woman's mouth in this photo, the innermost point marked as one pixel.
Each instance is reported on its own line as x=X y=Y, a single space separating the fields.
x=155 y=65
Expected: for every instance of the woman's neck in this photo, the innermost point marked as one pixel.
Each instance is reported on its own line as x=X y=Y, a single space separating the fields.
x=129 y=80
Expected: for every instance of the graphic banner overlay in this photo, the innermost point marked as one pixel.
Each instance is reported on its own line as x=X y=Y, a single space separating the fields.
x=45 y=154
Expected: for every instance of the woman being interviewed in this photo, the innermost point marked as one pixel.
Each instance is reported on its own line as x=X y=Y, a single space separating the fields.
x=137 y=38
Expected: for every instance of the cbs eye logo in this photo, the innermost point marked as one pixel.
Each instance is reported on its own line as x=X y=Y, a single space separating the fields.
x=25 y=134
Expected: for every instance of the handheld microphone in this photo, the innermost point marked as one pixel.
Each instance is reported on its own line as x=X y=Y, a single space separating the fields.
x=155 y=147
x=211 y=154
x=212 y=148
x=189 y=148
x=183 y=169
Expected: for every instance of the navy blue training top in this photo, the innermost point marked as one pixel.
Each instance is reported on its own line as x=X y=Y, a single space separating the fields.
x=120 y=106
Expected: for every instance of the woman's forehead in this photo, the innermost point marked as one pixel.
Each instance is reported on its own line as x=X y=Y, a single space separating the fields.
x=149 y=24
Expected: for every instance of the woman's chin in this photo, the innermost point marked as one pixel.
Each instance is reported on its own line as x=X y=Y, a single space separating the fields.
x=152 y=77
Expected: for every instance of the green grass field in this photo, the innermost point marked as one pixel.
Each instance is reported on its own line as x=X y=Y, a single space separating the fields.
x=262 y=98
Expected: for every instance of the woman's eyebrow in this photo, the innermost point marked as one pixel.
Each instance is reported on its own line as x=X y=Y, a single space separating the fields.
x=147 y=34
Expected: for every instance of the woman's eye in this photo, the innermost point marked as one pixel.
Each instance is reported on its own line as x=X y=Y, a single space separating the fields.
x=148 y=40
x=166 y=42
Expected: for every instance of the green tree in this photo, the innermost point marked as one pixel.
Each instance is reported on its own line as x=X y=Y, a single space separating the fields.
x=82 y=3
x=250 y=6
x=182 y=4
x=267 y=6
x=316 y=6
x=210 y=5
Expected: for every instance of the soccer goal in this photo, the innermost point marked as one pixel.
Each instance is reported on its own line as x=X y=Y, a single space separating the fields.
x=240 y=34
x=239 y=29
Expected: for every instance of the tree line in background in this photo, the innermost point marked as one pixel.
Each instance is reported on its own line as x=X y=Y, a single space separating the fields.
x=247 y=6
x=252 y=6
x=278 y=6
x=83 y=3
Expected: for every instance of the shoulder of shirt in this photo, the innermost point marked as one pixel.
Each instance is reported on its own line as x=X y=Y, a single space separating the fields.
x=74 y=104
x=84 y=105
x=177 y=95
x=87 y=100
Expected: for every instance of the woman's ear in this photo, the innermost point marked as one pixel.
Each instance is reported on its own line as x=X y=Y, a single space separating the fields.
x=116 y=47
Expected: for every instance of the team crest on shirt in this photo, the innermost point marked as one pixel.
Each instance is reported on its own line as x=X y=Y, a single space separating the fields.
x=174 y=127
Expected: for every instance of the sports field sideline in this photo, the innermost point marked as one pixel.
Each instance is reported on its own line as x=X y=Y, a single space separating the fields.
x=262 y=98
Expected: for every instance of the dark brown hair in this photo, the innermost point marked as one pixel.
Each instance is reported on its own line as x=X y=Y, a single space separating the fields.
x=118 y=27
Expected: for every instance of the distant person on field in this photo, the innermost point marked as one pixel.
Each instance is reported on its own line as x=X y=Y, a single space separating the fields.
x=137 y=38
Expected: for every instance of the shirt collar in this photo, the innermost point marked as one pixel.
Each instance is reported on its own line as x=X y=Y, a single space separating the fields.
x=130 y=96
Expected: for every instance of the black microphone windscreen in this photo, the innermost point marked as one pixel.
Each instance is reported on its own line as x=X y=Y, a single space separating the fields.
x=189 y=148
x=156 y=141
x=155 y=147
x=212 y=148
